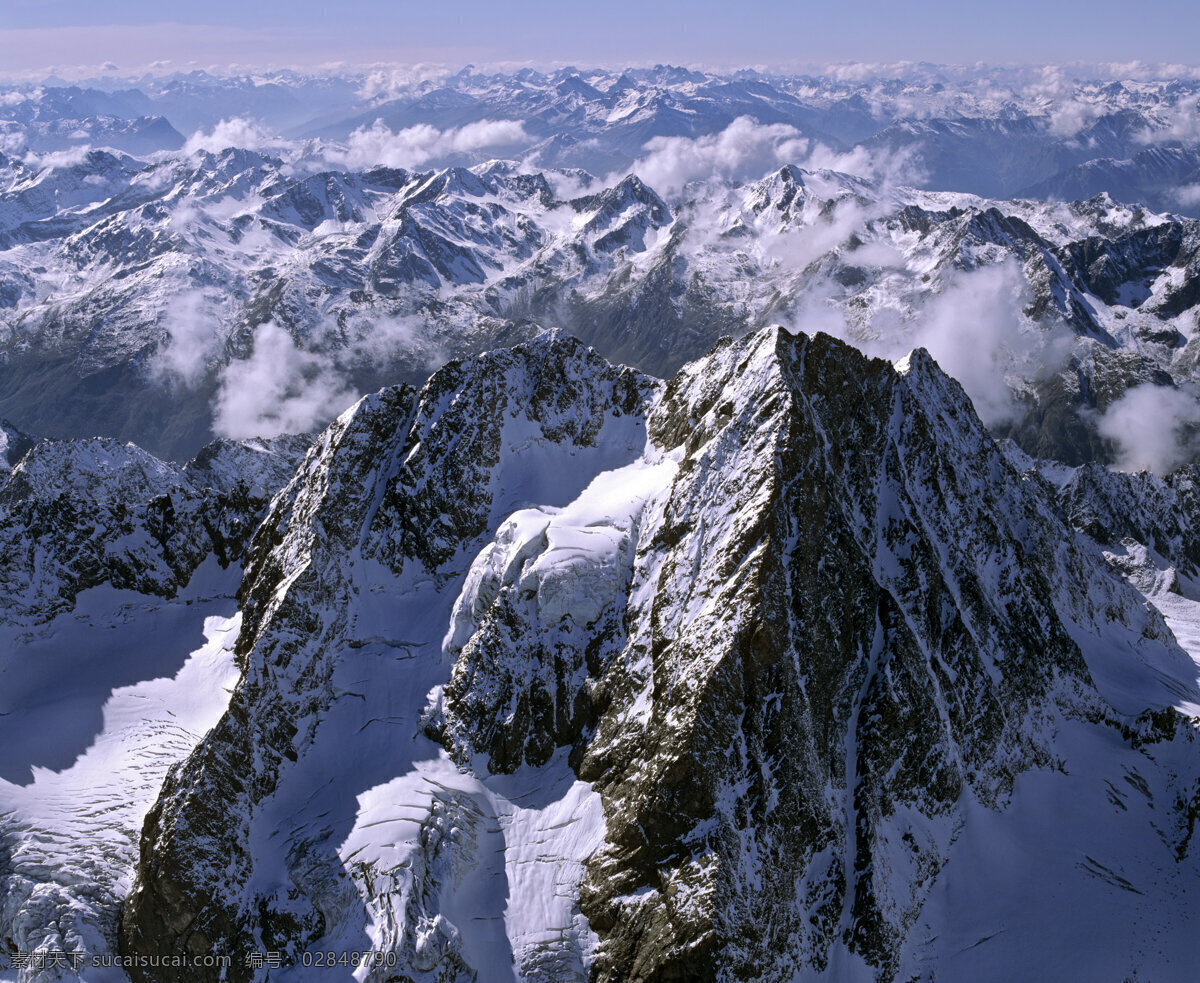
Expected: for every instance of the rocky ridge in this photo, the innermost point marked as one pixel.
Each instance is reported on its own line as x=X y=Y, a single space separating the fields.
x=794 y=617
x=81 y=513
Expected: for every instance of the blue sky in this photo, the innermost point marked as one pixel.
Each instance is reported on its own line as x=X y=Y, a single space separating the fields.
x=133 y=33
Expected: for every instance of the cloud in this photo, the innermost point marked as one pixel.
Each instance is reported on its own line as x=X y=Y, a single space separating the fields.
x=16 y=96
x=378 y=145
x=1137 y=70
x=393 y=82
x=1068 y=113
x=278 y=389
x=799 y=246
x=566 y=184
x=1152 y=427
x=1071 y=117
x=818 y=310
x=12 y=142
x=974 y=329
x=887 y=168
x=1178 y=123
x=748 y=149
x=1188 y=195
x=237 y=131
x=59 y=158
x=743 y=149
x=193 y=342
x=281 y=388
x=384 y=338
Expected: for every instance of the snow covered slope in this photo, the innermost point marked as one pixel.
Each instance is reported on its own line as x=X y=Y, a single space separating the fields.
x=550 y=670
x=540 y=668
x=120 y=576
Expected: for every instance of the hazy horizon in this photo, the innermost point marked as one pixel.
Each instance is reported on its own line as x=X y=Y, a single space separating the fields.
x=130 y=36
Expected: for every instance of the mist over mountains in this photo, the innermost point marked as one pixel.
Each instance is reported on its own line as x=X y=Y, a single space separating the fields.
x=312 y=238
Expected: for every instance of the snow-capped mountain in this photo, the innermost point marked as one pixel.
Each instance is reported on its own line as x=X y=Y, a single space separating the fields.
x=78 y=514
x=780 y=667
x=351 y=231
x=1162 y=177
x=754 y=673
x=116 y=567
x=993 y=130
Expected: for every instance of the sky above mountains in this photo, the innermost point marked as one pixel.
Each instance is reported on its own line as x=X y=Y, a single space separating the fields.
x=134 y=34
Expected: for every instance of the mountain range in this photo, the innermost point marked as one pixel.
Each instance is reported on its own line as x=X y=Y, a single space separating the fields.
x=637 y=525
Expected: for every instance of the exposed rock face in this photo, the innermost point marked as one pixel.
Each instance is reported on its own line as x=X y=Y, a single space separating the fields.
x=795 y=617
x=1162 y=513
x=1145 y=524
x=820 y=643
x=404 y=485
x=76 y=514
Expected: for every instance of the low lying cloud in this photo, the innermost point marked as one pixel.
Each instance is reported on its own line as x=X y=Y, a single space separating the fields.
x=193 y=342
x=393 y=82
x=1188 y=195
x=973 y=328
x=748 y=149
x=379 y=145
x=15 y=97
x=885 y=168
x=278 y=389
x=1137 y=70
x=975 y=331
x=383 y=338
x=12 y=142
x=1071 y=117
x=797 y=247
x=1152 y=427
x=743 y=149
x=1180 y=123
x=237 y=131
x=70 y=157
x=1067 y=110
x=566 y=184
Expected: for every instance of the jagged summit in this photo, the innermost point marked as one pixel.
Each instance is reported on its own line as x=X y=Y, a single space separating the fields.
x=747 y=656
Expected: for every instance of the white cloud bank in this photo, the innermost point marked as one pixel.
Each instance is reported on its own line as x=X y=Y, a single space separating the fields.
x=193 y=341
x=1180 y=123
x=973 y=328
x=975 y=331
x=413 y=146
x=238 y=131
x=278 y=389
x=1151 y=427
x=748 y=149
x=744 y=148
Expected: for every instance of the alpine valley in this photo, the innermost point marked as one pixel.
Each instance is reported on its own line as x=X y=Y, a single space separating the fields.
x=626 y=526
